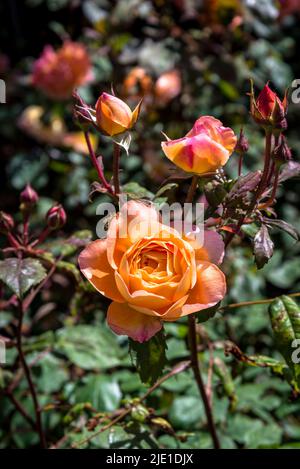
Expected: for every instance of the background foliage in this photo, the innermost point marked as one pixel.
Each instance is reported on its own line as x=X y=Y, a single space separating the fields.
x=82 y=370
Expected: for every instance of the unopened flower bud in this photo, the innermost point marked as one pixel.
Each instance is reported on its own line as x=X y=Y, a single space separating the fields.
x=114 y=116
x=242 y=145
x=6 y=223
x=282 y=153
x=56 y=217
x=28 y=198
x=268 y=110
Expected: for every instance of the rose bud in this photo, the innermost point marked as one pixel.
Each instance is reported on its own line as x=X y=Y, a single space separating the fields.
x=242 y=145
x=56 y=217
x=114 y=116
x=282 y=153
x=28 y=198
x=6 y=223
x=268 y=110
x=204 y=149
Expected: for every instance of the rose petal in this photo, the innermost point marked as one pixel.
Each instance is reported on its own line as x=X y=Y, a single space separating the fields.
x=208 y=291
x=124 y=230
x=124 y=320
x=141 y=297
x=213 y=248
x=94 y=265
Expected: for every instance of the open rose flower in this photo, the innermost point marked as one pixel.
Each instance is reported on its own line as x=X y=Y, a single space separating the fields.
x=58 y=73
x=151 y=272
x=204 y=149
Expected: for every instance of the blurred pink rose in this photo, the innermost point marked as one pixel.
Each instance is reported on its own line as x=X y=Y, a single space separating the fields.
x=57 y=73
x=167 y=86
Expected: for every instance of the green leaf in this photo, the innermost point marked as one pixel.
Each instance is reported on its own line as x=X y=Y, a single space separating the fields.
x=186 y=412
x=135 y=191
x=89 y=347
x=21 y=274
x=223 y=372
x=208 y=313
x=103 y=392
x=263 y=247
x=166 y=188
x=52 y=373
x=285 y=320
x=69 y=268
x=149 y=357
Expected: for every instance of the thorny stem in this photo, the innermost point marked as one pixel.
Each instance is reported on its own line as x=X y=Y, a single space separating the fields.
x=21 y=409
x=25 y=229
x=95 y=162
x=256 y=302
x=192 y=190
x=193 y=348
x=41 y=237
x=199 y=380
x=12 y=241
x=265 y=174
x=271 y=200
x=116 y=164
x=27 y=373
x=241 y=158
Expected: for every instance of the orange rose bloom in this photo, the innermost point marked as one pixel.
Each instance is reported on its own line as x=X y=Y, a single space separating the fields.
x=114 y=116
x=151 y=272
x=58 y=73
x=204 y=149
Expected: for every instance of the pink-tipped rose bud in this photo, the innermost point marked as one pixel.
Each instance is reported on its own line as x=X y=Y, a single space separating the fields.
x=268 y=110
x=56 y=217
x=6 y=223
x=28 y=198
x=242 y=145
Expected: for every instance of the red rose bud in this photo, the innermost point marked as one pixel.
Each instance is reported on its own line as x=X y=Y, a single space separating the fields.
x=56 y=217
x=28 y=198
x=282 y=153
x=268 y=110
x=242 y=145
x=6 y=223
